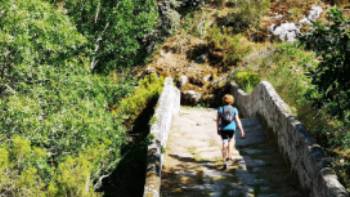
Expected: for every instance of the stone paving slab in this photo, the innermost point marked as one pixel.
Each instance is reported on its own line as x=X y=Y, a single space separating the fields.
x=193 y=164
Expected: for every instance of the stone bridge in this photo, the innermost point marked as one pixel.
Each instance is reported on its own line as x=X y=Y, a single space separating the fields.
x=277 y=158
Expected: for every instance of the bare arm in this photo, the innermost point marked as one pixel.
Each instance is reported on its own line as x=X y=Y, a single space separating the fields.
x=240 y=127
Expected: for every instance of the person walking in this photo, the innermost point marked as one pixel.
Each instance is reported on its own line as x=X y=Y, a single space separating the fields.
x=227 y=122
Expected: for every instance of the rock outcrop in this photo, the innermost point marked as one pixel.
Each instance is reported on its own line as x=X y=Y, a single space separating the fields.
x=169 y=14
x=289 y=31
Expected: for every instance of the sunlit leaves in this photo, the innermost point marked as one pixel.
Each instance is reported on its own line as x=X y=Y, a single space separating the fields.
x=115 y=29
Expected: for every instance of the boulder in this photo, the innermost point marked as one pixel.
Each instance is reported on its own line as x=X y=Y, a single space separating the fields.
x=208 y=78
x=191 y=97
x=150 y=70
x=289 y=31
x=314 y=14
x=196 y=81
x=286 y=31
x=168 y=23
x=191 y=3
x=201 y=58
x=182 y=81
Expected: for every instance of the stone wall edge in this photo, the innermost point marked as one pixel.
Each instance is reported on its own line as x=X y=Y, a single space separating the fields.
x=265 y=102
x=168 y=105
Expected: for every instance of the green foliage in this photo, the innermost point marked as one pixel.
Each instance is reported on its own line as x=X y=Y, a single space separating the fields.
x=246 y=15
x=57 y=130
x=197 y=22
x=331 y=41
x=297 y=9
x=33 y=35
x=71 y=147
x=231 y=48
x=219 y=3
x=74 y=173
x=284 y=66
x=20 y=167
x=247 y=79
x=130 y=108
x=115 y=29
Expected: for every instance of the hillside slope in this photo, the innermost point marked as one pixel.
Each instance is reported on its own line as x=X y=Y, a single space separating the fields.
x=236 y=40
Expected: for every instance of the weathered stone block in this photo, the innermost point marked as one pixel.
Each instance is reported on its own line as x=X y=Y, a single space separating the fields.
x=168 y=105
x=307 y=158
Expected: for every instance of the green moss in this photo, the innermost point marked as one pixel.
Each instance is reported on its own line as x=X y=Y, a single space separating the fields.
x=153 y=120
x=130 y=108
x=162 y=149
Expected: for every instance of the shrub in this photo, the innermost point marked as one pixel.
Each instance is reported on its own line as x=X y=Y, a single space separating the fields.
x=331 y=42
x=220 y=3
x=231 y=48
x=285 y=66
x=247 y=79
x=197 y=23
x=130 y=108
x=237 y=47
x=246 y=15
x=20 y=168
x=294 y=10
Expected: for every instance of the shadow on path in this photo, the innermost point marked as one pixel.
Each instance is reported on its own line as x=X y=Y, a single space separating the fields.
x=194 y=167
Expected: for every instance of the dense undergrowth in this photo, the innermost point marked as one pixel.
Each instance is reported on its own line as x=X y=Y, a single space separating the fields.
x=62 y=126
x=310 y=74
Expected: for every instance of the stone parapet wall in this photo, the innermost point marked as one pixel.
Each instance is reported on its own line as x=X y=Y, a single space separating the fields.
x=306 y=157
x=168 y=105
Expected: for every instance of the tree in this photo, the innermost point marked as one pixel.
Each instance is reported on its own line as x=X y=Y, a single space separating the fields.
x=331 y=41
x=115 y=29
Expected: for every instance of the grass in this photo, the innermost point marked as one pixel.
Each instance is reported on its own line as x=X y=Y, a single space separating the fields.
x=198 y=22
x=284 y=66
x=247 y=79
x=294 y=10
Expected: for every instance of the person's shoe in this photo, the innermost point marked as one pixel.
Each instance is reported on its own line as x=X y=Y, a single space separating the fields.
x=235 y=159
x=225 y=165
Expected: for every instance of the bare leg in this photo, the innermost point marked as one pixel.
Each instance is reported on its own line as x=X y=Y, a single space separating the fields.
x=230 y=148
x=225 y=150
